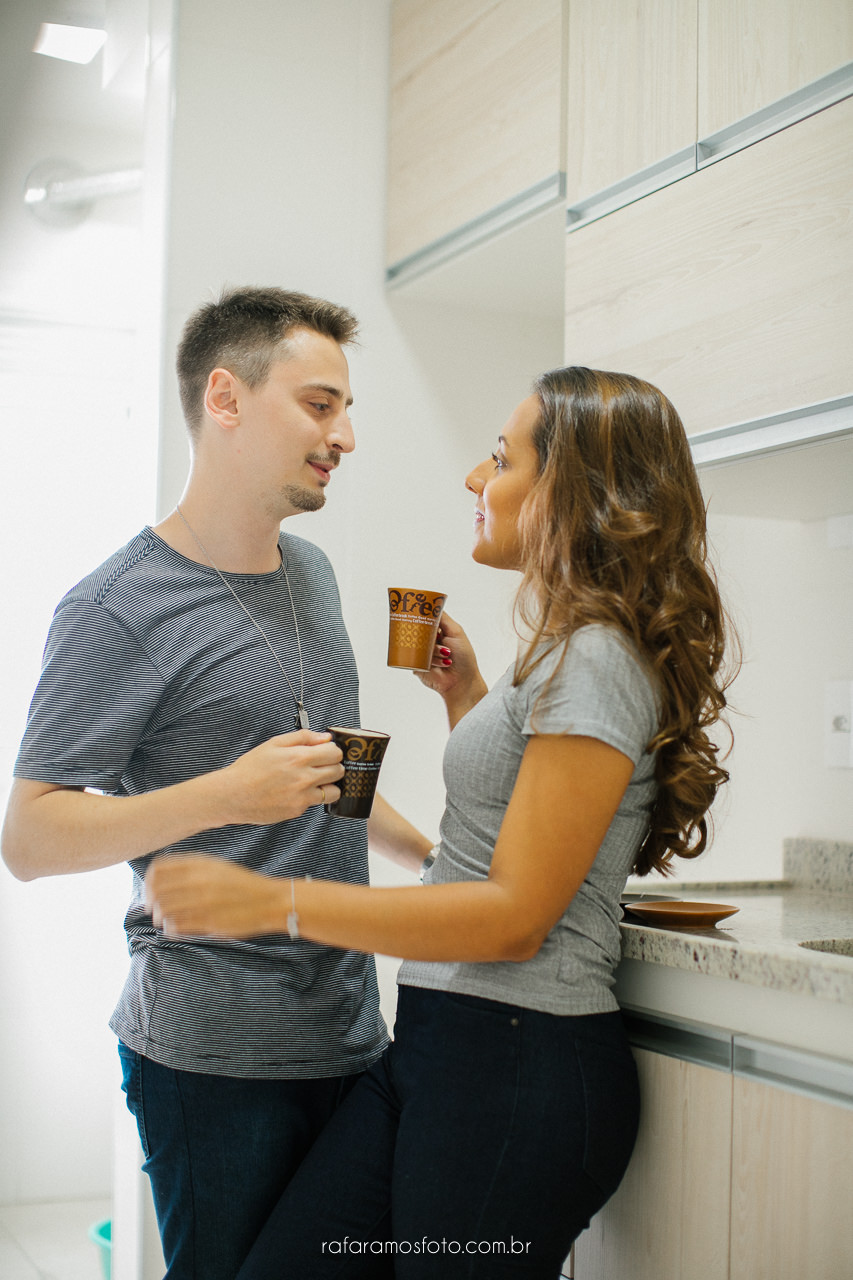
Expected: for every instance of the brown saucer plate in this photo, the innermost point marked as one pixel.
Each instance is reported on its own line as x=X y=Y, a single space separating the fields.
x=695 y=914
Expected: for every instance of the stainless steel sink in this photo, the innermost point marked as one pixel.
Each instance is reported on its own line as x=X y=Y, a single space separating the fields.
x=832 y=946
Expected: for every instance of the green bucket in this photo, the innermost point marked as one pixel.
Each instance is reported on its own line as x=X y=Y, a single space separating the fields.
x=101 y=1234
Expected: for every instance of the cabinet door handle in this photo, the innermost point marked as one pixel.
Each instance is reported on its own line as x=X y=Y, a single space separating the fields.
x=830 y=1079
x=777 y=115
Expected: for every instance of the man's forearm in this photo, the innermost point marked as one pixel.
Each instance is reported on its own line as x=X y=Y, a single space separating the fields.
x=392 y=835
x=57 y=830
x=52 y=830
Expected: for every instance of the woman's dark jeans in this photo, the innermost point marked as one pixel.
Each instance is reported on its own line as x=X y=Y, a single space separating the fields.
x=480 y=1145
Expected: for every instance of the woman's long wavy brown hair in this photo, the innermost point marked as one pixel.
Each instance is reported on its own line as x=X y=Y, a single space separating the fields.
x=613 y=532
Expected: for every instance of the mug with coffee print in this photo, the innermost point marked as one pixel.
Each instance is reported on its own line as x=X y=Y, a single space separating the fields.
x=413 y=621
x=363 y=751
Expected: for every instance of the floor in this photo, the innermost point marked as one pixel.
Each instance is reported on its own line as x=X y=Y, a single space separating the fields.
x=50 y=1241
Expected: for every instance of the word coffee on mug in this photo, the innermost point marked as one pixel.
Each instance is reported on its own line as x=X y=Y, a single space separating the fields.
x=363 y=752
x=413 y=627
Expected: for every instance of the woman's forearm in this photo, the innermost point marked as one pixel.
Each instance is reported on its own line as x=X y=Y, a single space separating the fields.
x=459 y=703
x=454 y=673
x=471 y=921
x=474 y=920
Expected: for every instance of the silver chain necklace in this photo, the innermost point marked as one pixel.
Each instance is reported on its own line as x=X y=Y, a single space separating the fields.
x=301 y=713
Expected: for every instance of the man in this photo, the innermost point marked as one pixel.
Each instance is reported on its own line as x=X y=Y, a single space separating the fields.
x=185 y=687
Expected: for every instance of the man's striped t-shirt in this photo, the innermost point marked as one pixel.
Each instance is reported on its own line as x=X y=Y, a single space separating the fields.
x=152 y=675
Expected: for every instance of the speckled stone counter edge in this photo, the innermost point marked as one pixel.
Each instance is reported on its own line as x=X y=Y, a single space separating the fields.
x=811 y=868
x=783 y=968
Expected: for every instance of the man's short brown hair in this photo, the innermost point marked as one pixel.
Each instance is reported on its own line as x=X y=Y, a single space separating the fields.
x=244 y=331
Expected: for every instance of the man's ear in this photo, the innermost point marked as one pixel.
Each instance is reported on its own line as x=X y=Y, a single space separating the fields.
x=220 y=398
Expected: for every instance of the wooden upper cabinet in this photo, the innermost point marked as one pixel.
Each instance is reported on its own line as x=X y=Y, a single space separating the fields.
x=753 y=52
x=631 y=93
x=730 y=289
x=649 y=79
x=475 y=112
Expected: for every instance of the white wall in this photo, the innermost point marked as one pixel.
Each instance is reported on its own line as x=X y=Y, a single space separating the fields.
x=791 y=598
x=77 y=475
x=66 y=394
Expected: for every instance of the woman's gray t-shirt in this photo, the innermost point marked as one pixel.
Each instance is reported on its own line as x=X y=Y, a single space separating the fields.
x=600 y=690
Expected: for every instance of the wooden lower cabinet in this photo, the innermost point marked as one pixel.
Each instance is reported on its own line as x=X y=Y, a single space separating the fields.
x=732 y=1178
x=669 y=1220
x=792 y=1186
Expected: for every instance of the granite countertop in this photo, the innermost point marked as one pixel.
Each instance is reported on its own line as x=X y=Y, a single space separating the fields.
x=760 y=945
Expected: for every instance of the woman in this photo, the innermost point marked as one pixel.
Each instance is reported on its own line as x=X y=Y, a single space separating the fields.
x=504 y=1114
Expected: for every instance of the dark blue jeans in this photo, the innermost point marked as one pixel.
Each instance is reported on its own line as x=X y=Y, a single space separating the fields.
x=219 y=1152
x=480 y=1145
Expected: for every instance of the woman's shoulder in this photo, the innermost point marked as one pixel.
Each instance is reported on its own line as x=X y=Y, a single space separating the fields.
x=595 y=645
x=608 y=644
x=596 y=678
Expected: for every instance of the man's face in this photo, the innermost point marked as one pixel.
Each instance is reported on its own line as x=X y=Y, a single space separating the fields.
x=297 y=423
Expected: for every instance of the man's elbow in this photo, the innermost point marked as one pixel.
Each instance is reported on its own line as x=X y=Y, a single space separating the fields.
x=16 y=860
x=13 y=850
x=20 y=867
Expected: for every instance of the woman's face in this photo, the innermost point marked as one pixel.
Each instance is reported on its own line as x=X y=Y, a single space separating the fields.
x=501 y=484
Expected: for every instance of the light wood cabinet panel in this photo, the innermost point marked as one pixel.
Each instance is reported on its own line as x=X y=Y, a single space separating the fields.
x=731 y=290
x=475 y=111
x=792 y=1190
x=631 y=88
x=752 y=52
x=670 y=1216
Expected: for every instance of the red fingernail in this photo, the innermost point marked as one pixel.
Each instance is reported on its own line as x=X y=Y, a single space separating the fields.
x=445 y=662
x=446 y=652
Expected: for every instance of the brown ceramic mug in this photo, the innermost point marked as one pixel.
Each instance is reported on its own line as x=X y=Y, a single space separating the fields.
x=363 y=751
x=413 y=622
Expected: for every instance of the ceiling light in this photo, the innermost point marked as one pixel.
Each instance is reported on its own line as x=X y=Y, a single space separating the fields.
x=72 y=44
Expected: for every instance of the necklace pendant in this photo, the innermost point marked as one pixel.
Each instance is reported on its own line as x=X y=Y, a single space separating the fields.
x=302 y=717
